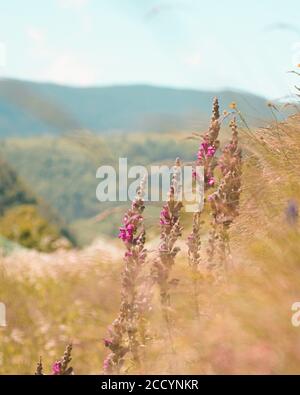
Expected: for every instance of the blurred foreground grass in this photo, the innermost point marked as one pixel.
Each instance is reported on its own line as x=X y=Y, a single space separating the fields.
x=45 y=311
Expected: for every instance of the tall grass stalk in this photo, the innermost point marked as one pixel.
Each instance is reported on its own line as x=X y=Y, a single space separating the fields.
x=206 y=158
x=126 y=334
x=225 y=200
x=170 y=231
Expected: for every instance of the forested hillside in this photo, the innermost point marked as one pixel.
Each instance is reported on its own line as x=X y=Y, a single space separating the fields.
x=24 y=218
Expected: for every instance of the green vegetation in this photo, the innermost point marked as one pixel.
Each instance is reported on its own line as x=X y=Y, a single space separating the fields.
x=25 y=219
x=12 y=191
x=24 y=225
x=62 y=171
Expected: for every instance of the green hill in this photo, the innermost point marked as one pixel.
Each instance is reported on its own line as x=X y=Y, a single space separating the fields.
x=25 y=219
x=12 y=191
x=62 y=170
x=28 y=108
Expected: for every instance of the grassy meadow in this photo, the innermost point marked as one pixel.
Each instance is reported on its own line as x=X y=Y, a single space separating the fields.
x=239 y=322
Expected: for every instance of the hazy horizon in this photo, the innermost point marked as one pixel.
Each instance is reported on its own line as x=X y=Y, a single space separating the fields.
x=176 y=44
x=125 y=85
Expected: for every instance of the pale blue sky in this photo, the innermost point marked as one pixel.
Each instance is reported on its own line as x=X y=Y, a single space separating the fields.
x=248 y=45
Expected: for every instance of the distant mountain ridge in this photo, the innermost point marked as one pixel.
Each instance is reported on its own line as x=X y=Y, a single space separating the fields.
x=31 y=108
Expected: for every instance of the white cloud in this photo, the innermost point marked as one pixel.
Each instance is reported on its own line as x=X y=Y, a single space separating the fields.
x=194 y=59
x=87 y=23
x=56 y=65
x=72 y=3
x=2 y=55
x=35 y=34
x=38 y=41
x=77 y=6
x=68 y=69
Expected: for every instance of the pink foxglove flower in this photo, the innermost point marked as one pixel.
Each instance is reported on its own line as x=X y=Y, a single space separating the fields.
x=211 y=181
x=124 y=340
x=206 y=158
x=56 y=368
x=224 y=201
x=170 y=232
